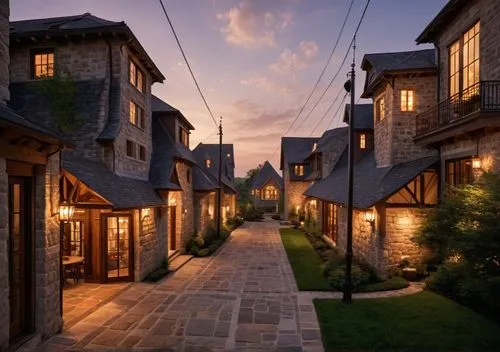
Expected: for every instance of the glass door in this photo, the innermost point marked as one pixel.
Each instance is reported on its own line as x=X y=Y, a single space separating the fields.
x=119 y=248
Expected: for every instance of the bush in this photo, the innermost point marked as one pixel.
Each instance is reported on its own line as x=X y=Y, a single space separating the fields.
x=336 y=277
x=249 y=212
x=208 y=243
x=276 y=217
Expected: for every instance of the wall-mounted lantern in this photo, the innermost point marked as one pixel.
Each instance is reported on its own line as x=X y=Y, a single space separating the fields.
x=66 y=212
x=370 y=218
x=476 y=163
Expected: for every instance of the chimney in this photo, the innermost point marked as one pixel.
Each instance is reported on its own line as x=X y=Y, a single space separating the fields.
x=4 y=51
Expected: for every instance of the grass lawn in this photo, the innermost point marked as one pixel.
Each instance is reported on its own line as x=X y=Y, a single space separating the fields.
x=424 y=321
x=306 y=263
x=394 y=283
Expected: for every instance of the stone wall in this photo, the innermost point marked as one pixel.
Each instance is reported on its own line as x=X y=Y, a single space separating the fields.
x=4 y=261
x=151 y=240
x=203 y=203
x=4 y=53
x=47 y=246
x=383 y=128
x=488 y=12
x=187 y=225
x=294 y=196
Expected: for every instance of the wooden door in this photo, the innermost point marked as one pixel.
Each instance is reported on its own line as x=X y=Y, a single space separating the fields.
x=20 y=266
x=118 y=248
x=172 y=210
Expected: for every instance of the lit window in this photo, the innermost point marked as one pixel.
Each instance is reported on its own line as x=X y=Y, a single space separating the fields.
x=253 y=192
x=136 y=115
x=380 y=109
x=43 y=64
x=131 y=149
x=228 y=155
x=407 y=100
x=136 y=76
x=270 y=193
x=454 y=54
x=208 y=162
x=299 y=170
x=73 y=244
x=362 y=141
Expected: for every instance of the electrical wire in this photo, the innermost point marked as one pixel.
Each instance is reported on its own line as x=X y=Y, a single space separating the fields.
x=187 y=63
x=327 y=111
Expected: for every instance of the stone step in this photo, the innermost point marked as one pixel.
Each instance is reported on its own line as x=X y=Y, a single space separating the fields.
x=173 y=255
x=179 y=262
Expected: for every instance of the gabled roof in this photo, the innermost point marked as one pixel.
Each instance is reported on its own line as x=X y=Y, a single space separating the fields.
x=441 y=21
x=202 y=152
x=371 y=184
x=363 y=116
x=380 y=64
x=296 y=149
x=159 y=106
x=122 y=192
x=266 y=173
x=165 y=153
x=202 y=180
x=81 y=24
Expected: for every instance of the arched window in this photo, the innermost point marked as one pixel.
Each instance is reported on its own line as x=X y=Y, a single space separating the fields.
x=270 y=193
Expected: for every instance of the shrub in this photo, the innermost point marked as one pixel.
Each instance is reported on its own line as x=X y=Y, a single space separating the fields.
x=276 y=217
x=336 y=277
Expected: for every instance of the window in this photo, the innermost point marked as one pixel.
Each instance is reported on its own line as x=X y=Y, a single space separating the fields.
x=188 y=176
x=270 y=193
x=464 y=61
x=142 y=153
x=299 y=170
x=257 y=192
x=208 y=163
x=74 y=242
x=136 y=115
x=380 y=109
x=362 y=141
x=331 y=221
x=253 y=192
x=183 y=136
x=43 y=64
x=131 y=149
x=136 y=77
x=407 y=100
x=459 y=171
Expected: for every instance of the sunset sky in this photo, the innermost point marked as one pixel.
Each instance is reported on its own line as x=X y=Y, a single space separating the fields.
x=256 y=60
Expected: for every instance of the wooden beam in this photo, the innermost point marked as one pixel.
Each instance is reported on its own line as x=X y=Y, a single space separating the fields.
x=9 y=151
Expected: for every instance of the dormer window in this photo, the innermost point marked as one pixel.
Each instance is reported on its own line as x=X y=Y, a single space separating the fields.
x=136 y=77
x=43 y=64
x=299 y=170
x=362 y=141
x=208 y=163
x=380 y=109
x=183 y=137
x=407 y=100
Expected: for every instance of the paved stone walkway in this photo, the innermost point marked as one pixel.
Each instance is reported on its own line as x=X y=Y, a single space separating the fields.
x=242 y=299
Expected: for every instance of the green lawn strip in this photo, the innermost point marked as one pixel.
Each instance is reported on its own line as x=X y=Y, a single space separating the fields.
x=393 y=283
x=424 y=321
x=306 y=263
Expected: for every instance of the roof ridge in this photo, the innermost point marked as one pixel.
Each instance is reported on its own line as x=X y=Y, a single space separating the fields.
x=400 y=52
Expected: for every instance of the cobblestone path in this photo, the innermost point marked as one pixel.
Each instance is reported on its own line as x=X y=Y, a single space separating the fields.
x=242 y=299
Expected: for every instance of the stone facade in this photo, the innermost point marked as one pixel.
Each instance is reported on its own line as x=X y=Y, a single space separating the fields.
x=187 y=202
x=394 y=134
x=204 y=210
x=259 y=200
x=294 y=196
x=4 y=253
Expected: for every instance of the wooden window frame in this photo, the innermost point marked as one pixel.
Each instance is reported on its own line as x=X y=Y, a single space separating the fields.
x=142 y=153
x=104 y=246
x=407 y=107
x=45 y=51
x=458 y=176
x=136 y=115
x=363 y=141
x=298 y=169
x=134 y=71
x=131 y=146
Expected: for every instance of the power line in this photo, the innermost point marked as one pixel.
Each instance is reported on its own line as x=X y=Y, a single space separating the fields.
x=327 y=111
x=341 y=65
x=187 y=64
x=324 y=68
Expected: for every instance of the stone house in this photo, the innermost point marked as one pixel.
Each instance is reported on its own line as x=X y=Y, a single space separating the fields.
x=207 y=157
x=394 y=179
x=89 y=80
x=29 y=228
x=463 y=119
x=297 y=173
x=266 y=188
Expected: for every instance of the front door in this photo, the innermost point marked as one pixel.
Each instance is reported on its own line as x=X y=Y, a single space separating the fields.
x=118 y=247
x=20 y=267
x=171 y=226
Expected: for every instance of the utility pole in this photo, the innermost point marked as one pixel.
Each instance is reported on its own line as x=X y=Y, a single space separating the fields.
x=347 y=294
x=219 y=188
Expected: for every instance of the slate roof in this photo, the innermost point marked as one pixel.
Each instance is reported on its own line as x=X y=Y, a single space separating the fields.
x=202 y=181
x=266 y=172
x=380 y=64
x=363 y=114
x=447 y=14
x=202 y=152
x=122 y=192
x=85 y=23
x=296 y=149
x=10 y=118
x=159 y=106
x=371 y=184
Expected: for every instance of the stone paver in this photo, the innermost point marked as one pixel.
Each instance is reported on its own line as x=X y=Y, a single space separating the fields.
x=243 y=298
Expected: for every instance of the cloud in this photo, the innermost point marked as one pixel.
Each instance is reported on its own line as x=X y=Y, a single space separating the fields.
x=267 y=84
x=260 y=118
x=250 y=24
x=292 y=61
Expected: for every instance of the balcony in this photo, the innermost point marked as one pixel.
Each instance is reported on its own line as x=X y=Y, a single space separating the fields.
x=475 y=108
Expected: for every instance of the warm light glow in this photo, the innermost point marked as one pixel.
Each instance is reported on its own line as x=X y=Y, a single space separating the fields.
x=211 y=210
x=476 y=163
x=407 y=100
x=208 y=162
x=66 y=212
x=145 y=212
x=171 y=201
x=299 y=170
x=370 y=215
x=362 y=141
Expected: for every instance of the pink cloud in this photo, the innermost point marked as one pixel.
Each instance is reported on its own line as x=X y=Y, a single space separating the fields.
x=292 y=61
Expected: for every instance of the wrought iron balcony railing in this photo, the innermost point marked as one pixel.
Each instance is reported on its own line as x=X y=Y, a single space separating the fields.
x=482 y=96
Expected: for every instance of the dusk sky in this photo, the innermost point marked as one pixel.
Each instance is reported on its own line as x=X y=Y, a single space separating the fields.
x=256 y=60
